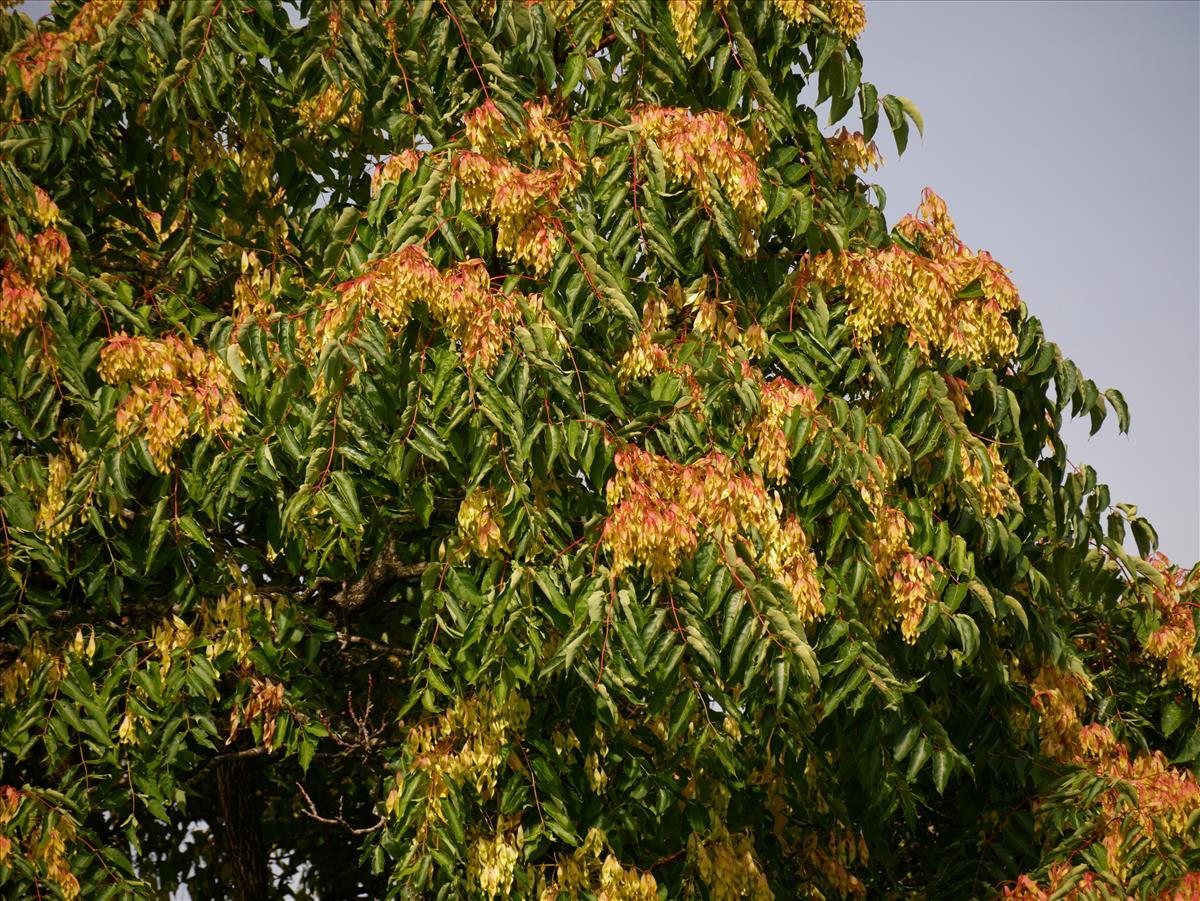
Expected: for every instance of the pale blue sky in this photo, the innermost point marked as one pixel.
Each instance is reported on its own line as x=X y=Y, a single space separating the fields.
x=1065 y=138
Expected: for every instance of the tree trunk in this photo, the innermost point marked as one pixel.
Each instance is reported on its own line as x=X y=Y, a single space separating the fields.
x=240 y=809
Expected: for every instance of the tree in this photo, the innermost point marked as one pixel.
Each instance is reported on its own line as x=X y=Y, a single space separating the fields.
x=458 y=449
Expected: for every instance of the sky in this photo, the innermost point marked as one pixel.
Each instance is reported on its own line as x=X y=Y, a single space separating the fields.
x=1065 y=138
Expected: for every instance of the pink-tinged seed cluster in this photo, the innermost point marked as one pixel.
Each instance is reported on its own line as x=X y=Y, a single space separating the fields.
x=460 y=298
x=660 y=509
x=176 y=389
x=390 y=170
x=48 y=50
x=519 y=199
x=948 y=298
x=1146 y=803
x=907 y=582
x=36 y=261
x=1174 y=641
x=480 y=527
x=698 y=146
x=851 y=152
x=772 y=451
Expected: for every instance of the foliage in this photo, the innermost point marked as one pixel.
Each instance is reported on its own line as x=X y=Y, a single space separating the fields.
x=501 y=444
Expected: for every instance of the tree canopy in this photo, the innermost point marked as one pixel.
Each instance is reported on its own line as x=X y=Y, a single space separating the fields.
x=502 y=449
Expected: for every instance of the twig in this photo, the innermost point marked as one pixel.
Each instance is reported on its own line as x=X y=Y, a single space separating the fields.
x=339 y=820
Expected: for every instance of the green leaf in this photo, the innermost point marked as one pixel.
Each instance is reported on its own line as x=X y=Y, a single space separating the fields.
x=1174 y=715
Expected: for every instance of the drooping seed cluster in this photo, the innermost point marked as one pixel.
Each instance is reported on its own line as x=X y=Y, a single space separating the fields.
x=44 y=838
x=834 y=855
x=683 y=20
x=255 y=290
x=519 y=198
x=779 y=397
x=950 y=299
x=851 y=152
x=594 y=871
x=709 y=316
x=460 y=298
x=226 y=624
x=698 y=146
x=390 y=170
x=906 y=581
x=254 y=154
x=265 y=701
x=492 y=862
x=176 y=390
x=996 y=494
x=479 y=523
x=645 y=356
x=465 y=745
x=53 y=500
x=727 y=866
x=47 y=50
x=1146 y=806
x=35 y=261
x=333 y=106
x=1174 y=641
x=659 y=510
x=847 y=17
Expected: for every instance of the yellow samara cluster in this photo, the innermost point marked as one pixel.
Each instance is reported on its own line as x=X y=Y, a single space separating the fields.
x=594 y=871
x=23 y=278
x=996 y=495
x=480 y=527
x=467 y=745
x=847 y=17
x=779 y=397
x=712 y=318
x=460 y=298
x=47 y=839
x=333 y=106
x=728 y=866
x=660 y=508
x=908 y=581
x=518 y=199
x=176 y=389
x=52 y=501
x=852 y=152
x=1146 y=801
x=1174 y=641
x=492 y=862
x=950 y=299
x=697 y=146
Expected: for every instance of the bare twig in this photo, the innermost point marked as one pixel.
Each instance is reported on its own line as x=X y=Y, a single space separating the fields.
x=339 y=820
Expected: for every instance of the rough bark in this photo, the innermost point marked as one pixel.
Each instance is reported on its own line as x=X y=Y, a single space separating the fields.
x=241 y=811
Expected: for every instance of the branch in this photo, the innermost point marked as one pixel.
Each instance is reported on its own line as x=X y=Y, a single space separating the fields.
x=386 y=567
x=256 y=751
x=339 y=820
